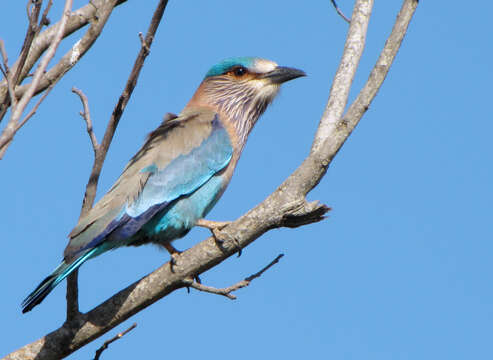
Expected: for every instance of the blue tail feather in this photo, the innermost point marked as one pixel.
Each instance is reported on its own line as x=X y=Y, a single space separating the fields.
x=50 y=282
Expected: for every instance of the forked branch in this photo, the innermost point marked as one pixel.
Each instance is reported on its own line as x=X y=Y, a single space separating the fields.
x=14 y=123
x=35 y=47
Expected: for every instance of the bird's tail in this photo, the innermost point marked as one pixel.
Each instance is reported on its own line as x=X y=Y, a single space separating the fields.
x=61 y=272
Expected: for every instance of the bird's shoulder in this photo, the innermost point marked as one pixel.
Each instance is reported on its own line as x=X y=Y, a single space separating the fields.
x=178 y=135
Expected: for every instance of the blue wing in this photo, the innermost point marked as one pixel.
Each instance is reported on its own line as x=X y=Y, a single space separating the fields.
x=199 y=146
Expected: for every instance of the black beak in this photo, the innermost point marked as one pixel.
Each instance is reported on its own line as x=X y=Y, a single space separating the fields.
x=282 y=74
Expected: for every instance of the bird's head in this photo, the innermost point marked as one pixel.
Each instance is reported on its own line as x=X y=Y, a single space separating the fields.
x=241 y=88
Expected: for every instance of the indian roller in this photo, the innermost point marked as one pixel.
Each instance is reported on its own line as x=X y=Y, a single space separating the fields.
x=181 y=170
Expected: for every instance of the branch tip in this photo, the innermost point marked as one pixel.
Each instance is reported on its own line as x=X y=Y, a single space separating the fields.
x=341 y=14
x=86 y=115
x=227 y=292
x=113 y=339
x=143 y=43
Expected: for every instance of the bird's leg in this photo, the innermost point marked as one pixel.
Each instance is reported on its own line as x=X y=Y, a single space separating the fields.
x=215 y=227
x=174 y=253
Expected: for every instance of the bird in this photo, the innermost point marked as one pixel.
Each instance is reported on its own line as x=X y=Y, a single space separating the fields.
x=181 y=171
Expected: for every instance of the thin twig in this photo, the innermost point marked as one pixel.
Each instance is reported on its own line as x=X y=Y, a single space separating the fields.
x=28 y=10
x=86 y=115
x=113 y=339
x=95 y=9
x=189 y=282
x=340 y=12
x=119 y=108
x=45 y=21
x=35 y=108
x=31 y=32
x=267 y=267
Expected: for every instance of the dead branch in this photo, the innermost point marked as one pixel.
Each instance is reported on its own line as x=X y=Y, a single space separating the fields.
x=96 y=9
x=270 y=214
x=86 y=115
x=13 y=124
x=120 y=107
x=113 y=339
x=73 y=55
x=353 y=49
x=189 y=282
x=35 y=108
x=32 y=30
x=102 y=150
x=45 y=21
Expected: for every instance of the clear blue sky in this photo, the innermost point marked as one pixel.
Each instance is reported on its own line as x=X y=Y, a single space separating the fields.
x=400 y=270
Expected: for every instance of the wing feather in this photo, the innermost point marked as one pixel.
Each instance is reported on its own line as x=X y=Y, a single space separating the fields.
x=176 y=159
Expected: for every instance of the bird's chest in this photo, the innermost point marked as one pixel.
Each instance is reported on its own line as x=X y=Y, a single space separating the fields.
x=180 y=216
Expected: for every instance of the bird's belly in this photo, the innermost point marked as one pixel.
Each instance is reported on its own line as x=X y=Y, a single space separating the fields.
x=180 y=216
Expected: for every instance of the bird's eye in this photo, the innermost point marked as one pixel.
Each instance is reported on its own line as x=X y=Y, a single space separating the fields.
x=239 y=71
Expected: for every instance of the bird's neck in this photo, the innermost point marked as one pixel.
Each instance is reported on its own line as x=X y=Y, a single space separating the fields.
x=239 y=109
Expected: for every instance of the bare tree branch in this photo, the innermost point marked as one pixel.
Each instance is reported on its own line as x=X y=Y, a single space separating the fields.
x=13 y=125
x=35 y=108
x=32 y=30
x=86 y=115
x=79 y=49
x=79 y=18
x=44 y=18
x=189 y=282
x=285 y=207
x=120 y=107
x=353 y=49
x=341 y=14
x=113 y=339
x=74 y=54
x=102 y=150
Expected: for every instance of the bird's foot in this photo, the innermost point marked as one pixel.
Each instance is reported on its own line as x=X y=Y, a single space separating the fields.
x=173 y=253
x=215 y=227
